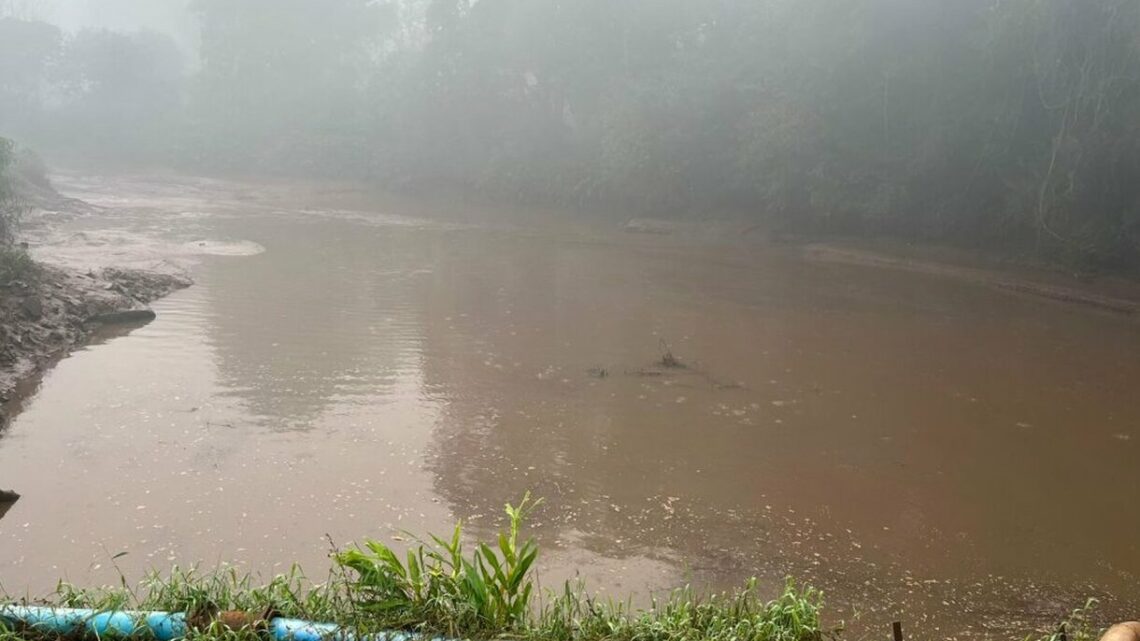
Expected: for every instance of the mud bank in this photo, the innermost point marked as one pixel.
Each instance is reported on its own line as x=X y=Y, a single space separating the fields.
x=61 y=302
x=1117 y=295
x=53 y=310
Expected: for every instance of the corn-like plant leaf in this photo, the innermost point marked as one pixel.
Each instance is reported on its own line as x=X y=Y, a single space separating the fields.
x=507 y=548
x=519 y=573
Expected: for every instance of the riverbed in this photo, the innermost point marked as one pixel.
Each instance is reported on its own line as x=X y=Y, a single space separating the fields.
x=921 y=448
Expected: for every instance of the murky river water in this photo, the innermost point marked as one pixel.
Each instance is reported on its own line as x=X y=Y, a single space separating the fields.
x=920 y=448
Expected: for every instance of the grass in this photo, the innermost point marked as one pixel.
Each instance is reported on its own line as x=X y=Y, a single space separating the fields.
x=1077 y=627
x=15 y=264
x=487 y=591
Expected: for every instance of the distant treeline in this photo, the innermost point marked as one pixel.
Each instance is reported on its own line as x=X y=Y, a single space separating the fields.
x=1008 y=123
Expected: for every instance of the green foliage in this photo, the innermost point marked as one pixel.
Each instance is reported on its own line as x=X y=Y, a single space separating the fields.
x=435 y=588
x=571 y=616
x=439 y=587
x=201 y=594
x=685 y=615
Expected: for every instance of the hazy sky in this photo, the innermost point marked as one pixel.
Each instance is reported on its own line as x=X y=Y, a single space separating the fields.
x=168 y=16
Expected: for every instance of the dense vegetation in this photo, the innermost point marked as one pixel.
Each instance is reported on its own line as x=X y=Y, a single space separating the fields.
x=1010 y=123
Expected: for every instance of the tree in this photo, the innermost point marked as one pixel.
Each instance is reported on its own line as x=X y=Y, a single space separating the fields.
x=28 y=50
x=118 y=90
x=282 y=77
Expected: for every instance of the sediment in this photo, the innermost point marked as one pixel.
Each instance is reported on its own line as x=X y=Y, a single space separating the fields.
x=50 y=311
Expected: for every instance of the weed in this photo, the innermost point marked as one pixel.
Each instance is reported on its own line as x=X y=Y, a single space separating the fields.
x=438 y=588
x=684 y=616
x=15 y=264
x=1077 y=627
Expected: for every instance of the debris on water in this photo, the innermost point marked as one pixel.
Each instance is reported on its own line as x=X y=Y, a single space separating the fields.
x=668 y=360
x=598 y=372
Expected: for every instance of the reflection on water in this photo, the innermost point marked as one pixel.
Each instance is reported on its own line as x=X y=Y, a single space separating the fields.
x=325 y=320
x=909 y=444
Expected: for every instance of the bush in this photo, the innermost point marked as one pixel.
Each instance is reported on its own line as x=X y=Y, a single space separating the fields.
x=9 y=204
x=488 y=592
x=14 y=261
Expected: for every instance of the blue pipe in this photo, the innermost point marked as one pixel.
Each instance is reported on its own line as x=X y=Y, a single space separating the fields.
x=160 y=626
x=281 y=629
x=164 y=626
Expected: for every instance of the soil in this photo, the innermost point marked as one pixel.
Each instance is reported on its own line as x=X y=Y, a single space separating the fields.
x=1119 y=295
x=54 y=309
x=49 y=313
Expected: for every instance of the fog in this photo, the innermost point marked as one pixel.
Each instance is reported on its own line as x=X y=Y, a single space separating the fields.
x=1006 y=125
x=170 y=17
x=841 y=290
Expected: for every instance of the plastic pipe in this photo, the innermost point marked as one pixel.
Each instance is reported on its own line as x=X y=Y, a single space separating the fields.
x=165 y=626
x=161 y=626
x=281 y=629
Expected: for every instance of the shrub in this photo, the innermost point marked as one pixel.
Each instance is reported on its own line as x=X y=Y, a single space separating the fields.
x=9 y=203
x=14 y=261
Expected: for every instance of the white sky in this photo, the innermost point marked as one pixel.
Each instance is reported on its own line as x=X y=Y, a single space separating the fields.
x=167 y=16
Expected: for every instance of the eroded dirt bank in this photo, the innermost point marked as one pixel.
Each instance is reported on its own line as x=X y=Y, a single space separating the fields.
x=57 y=306
x=52 y=310
x=1113 y=294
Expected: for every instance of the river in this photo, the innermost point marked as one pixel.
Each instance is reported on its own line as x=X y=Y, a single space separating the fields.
x=921 y=448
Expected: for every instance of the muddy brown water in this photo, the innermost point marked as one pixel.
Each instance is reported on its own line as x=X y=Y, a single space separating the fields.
x=923 y=449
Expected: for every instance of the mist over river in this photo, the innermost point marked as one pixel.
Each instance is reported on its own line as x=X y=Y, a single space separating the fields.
x=347 y=368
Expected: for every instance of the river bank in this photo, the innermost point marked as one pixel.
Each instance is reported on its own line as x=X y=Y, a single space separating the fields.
x=53 y=307
x=53 y=310
x=445 y=591
x=1114 y=293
